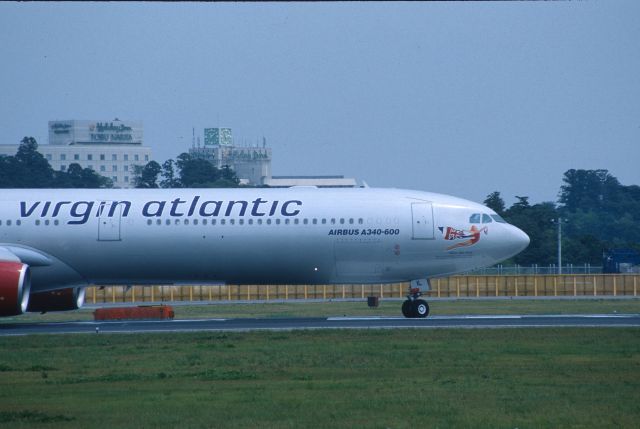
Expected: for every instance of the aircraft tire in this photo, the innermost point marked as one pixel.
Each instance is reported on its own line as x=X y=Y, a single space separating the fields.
x=420 y=308
x=407 y=309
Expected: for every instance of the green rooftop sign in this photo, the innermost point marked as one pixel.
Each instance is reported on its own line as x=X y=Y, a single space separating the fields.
x=218 y=137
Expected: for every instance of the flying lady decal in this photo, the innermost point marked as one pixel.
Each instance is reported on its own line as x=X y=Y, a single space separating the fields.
x=470 y=237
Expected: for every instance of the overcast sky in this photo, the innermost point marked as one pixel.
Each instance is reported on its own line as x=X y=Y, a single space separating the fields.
x=458 y=98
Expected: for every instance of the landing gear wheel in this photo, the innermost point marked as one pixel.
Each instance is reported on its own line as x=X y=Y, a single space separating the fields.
x=414 y=307
x=420 y=308
x=407 y=309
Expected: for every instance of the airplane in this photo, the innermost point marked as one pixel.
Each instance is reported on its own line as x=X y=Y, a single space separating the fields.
x=55 y=242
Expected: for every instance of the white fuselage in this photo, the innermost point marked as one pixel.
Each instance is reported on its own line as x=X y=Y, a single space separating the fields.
x=247 y=236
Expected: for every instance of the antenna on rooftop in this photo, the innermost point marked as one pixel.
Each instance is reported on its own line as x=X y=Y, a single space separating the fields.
x=193 y=137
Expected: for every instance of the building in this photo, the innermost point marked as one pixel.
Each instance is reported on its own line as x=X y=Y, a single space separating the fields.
x=252 y=164
x=111 y=148
x=319 y=181
x=620 y=261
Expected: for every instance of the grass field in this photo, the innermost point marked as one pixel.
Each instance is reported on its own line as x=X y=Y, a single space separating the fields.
x=524 y=378
x=386 y=308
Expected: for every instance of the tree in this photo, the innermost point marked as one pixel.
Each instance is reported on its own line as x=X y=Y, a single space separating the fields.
x=536 y=221
x=169 y=176
x=600 y=212
x=521 y=204
x=9 y=172
x=78 y=177
x=147 y=176
x=588 y=190
x=495 y=202
x=196 y=172
x=229 y=175
x=33 y=170
x=91 y=179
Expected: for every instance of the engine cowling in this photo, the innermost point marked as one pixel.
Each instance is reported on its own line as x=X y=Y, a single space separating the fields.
x=56 y=300
x=15 y=286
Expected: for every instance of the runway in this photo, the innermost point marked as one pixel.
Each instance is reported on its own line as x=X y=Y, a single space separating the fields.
x=276 y=324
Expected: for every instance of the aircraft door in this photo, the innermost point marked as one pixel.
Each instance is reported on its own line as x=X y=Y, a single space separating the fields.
x=109 y=216
x=422 y=217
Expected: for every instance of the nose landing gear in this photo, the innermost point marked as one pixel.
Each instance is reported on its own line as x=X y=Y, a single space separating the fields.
x=414 y=307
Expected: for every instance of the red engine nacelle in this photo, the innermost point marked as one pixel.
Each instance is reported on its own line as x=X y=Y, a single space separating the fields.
x=56 y=300
x=15 y=285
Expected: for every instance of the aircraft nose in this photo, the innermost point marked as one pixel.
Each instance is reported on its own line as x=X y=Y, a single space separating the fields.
x=518 y=240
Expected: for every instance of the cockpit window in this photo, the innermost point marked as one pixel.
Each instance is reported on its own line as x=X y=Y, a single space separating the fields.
x=497 y=218
x=475 y=218
x=486 y=218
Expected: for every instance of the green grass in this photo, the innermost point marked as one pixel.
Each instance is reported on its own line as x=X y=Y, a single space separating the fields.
x=525 y=378
x=386 y=308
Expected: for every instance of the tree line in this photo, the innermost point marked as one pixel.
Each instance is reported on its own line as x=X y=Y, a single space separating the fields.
x=28 y=168
x=185 y=172
x=596 y=211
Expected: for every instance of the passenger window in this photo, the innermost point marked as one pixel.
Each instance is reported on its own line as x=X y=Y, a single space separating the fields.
x=475 y=218
x=250 y=221
x=277 y=221
x=305 y=221
x=268 y=221
x=259 y=221
x=486 y=218
x=324 y=221
x=315 y=221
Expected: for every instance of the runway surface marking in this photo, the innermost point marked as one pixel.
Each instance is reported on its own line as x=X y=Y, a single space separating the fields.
x=487 y=317
x=279 y=324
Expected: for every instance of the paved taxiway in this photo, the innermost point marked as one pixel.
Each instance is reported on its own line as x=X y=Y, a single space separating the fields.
x=245 y=324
